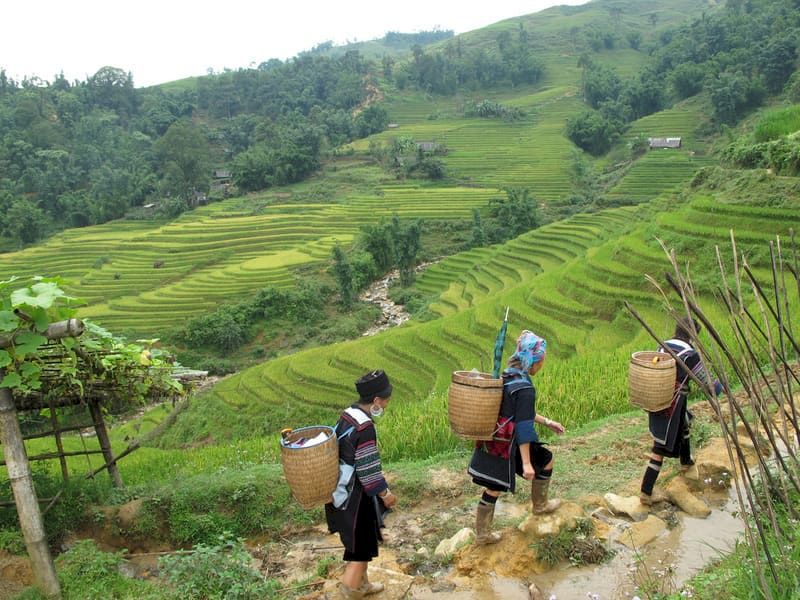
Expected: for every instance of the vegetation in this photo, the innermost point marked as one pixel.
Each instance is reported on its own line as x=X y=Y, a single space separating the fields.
x=232 y=278
x=82 y=153
x=221 y=571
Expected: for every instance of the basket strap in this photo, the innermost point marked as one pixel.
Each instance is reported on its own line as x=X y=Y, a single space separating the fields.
x=346 y=433
x=500 y=425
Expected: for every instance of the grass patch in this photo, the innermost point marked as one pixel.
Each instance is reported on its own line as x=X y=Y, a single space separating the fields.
x=776 y=123
x=577 y=545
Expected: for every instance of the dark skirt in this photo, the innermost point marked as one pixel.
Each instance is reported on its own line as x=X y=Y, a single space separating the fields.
x=669 y=427
x=497 y=474
x=367 y=532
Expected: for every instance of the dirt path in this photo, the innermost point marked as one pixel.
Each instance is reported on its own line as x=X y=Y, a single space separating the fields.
x=656 y=549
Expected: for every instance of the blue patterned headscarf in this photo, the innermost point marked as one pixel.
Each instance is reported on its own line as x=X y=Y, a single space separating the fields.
x=530 y=350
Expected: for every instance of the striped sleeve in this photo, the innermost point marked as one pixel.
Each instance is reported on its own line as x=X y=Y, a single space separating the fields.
x=694 y=362
x=368 y=462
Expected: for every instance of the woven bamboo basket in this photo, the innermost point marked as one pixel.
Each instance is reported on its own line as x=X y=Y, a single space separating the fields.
x=312 y=473
x=473 y=403
x=651 y=380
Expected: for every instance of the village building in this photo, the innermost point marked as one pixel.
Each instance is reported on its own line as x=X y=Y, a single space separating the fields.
x=664 y=142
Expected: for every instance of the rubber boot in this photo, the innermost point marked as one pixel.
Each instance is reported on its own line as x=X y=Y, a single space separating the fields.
x=346 y=593
x=541 y=504
x=368 y=588
x=483 y=525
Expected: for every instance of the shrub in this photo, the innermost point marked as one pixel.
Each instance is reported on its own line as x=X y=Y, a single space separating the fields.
x=592 y=132
x=88 y=573
x=11 y=541
x=219 y=571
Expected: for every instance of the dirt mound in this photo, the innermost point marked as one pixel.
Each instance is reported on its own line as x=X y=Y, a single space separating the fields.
x=15 y=574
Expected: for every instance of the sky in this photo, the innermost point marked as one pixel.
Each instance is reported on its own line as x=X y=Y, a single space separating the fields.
x=160 y=41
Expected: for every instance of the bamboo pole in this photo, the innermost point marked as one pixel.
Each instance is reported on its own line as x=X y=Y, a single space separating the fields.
x=53 y=455
x=59 y=444
x=124 y=453
x=33 y=436
x=30 y=516
x=105 y=444
x=56 y=331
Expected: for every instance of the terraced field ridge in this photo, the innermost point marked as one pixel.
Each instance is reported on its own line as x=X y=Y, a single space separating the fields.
x=139 y=276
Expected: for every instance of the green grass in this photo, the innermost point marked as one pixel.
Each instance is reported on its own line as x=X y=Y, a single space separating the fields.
x=776 y=123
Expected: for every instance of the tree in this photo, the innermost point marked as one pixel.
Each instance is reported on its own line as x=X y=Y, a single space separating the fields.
x=407 y=245
x=344 y=276
x=112 y=89
x=512 y=216
x=478 y=233
x=776 y=61
x=687 y=79
x=634 y=39
x=601 y=84
x=24 y=221
x=592 y=132
x=378 y=241
x=372 y=119
x=185 y=159
x=732 y=94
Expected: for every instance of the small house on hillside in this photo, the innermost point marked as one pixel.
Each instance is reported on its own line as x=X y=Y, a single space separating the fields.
x=428 y=146
x=664 y=142
x=221 y=179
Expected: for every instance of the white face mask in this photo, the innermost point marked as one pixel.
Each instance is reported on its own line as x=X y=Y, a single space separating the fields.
x=375 y=410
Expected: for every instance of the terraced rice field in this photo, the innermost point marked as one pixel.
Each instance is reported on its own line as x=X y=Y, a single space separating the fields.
x=531 y=152
x=566 y=281
x=682 y=120
x=657 y=172
x=143 y=277
x=422 y=356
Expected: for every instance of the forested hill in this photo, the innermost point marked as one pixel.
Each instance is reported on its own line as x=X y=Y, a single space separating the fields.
x=84 y=152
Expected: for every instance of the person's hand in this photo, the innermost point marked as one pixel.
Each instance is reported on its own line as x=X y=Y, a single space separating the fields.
x=389 y=500
x=555 y=426
x=528 y=472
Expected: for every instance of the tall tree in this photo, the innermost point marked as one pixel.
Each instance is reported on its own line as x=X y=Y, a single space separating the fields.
x=185 y=161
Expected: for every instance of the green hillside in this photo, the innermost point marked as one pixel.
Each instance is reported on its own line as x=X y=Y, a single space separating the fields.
x=566 y=281
x=144 y=276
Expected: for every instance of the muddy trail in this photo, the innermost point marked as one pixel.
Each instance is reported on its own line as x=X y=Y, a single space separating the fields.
x=429 y=551
x=618 y=546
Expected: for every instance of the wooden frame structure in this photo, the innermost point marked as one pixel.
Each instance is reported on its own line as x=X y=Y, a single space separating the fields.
x=53 y=395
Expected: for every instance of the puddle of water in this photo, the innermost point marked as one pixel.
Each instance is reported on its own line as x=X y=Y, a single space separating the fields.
x=670 y=559
x=494 y=588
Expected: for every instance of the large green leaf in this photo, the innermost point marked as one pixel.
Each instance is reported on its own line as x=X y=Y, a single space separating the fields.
x=5 y=358
x=11 y=380
x=8 y=320
x=42 y=294
x=27 y=342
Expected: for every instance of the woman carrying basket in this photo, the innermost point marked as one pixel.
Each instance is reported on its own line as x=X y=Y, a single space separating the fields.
x=515 y=448
x=670 y=427
x=356 y=513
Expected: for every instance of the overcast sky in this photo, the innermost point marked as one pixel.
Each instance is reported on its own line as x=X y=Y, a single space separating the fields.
x=165 y=40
